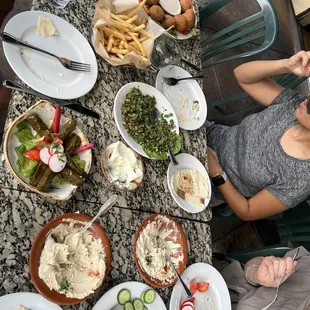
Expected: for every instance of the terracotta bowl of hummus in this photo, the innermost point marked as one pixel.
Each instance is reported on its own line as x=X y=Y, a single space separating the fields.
x=66 y=267
x=158 y=235
x=119 y=156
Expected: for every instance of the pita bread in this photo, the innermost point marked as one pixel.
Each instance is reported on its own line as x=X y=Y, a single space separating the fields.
x=191 y=186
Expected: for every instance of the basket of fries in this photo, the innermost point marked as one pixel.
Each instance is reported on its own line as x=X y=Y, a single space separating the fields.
x=124 y=38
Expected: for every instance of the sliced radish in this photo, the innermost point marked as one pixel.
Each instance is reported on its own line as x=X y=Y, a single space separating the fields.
x=56 y=148
x=186 y=304
x=57 y=162
x=45 y=155
x=187 y=308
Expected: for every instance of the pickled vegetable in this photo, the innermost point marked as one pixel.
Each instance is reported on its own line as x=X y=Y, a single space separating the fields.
x=37 y=124
x=72 y=143
x=46 y=180
x=35 y=178
x=67 y=129
x=71 y=176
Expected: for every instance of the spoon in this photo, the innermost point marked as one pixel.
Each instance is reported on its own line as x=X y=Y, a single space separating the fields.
x=173 y=81
x=156 y=115
x=108 y=204
x=168 y=257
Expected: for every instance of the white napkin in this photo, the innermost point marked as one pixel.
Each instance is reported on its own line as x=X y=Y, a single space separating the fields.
x=124 y=5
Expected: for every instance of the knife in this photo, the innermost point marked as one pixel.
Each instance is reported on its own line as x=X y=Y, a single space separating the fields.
x=63 y=103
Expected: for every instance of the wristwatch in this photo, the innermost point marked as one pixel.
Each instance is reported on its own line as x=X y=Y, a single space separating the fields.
x=219 y=179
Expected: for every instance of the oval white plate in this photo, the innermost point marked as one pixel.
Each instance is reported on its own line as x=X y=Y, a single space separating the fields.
x=187 y=161
x=162 y=105
x=109 y=299
x=29 y=300
x=46 y=112
x=181 y=96
x=45 y=73
x=216 y=298
x=172 y=7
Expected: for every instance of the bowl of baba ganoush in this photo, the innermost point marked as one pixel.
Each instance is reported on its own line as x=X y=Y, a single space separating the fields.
x=158 y=237
x=67 y=266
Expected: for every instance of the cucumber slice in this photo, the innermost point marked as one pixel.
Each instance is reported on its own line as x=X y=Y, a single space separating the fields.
x=123 y=296
x=138 y=304
x=128 y=306
x=142 y=296
x=149 y=296
x=145 y=308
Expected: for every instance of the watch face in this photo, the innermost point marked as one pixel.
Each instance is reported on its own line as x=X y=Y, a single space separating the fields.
x=218 y=181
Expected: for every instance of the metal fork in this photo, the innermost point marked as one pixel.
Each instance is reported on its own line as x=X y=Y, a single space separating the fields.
x=67 y=63
x=280 y=282
x=174 y=81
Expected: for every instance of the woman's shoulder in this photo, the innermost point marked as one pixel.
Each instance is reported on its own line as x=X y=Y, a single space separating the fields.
x=289 y=96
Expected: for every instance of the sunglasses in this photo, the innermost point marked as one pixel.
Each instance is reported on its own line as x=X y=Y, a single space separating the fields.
x=308 y=104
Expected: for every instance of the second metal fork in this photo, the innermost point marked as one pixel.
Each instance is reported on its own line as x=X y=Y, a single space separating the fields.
x=67 y=63
x=280 y=282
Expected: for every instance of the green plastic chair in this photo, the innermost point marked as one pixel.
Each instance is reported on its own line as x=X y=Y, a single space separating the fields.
x=289 y=80
x=293 y=228
x=266 y=28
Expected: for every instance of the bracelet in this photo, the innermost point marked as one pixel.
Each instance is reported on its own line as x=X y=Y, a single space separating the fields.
x=246 y=275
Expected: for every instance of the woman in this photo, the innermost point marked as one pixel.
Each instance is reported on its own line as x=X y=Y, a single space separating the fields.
x=255 y=287
x=262 y=166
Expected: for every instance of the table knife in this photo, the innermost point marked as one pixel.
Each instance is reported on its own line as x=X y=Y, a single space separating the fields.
x=63 y=103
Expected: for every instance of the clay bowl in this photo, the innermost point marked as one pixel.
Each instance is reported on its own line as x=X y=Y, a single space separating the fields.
x=134 y=184
x=37 y=247
x=181 y=239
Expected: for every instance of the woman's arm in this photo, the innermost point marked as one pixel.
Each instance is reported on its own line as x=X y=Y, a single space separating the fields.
x=253 y=77
x=259 y=206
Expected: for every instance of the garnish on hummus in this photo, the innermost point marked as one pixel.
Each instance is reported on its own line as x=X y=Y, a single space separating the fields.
x=72 y=263
x=155 y=243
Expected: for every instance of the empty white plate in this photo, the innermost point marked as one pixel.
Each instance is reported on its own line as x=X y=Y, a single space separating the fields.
x=186 y=97
x=215 y=298
x=28 y=300
x=45 y=73
x=187 y=162
x=109 y=299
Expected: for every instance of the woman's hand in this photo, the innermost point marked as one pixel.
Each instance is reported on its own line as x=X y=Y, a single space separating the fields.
x=299 y=64
x=272 y=269
x=213 y=163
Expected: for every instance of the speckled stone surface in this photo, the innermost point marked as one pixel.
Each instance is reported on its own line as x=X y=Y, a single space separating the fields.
x=21 y=220
x=24 y=213
x=154 y=195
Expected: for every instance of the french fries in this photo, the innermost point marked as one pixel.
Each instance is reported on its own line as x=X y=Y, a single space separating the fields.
x=124 y=34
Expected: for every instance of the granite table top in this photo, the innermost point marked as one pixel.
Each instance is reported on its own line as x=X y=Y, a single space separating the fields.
x=22 y=218
x=23 y=213
x=154 y=194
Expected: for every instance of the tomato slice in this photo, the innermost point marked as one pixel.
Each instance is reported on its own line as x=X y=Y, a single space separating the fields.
x=33 y=154
x=41 y=144
x=203 y=286
x=193 y=286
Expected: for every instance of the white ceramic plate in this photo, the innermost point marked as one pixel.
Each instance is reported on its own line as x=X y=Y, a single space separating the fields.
x=187 y=161
x=28 y=300
x=42 y=72
x=182 y=96
x=215 y=298
x=46 y=112
x=109 y=299
x=162 y=105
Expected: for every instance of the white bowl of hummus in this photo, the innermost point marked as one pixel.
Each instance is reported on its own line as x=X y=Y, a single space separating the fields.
x=67 y=266
x=122 y=166
x=150 y=254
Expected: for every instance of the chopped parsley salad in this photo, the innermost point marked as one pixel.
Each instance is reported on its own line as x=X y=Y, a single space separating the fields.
x=155 y=136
